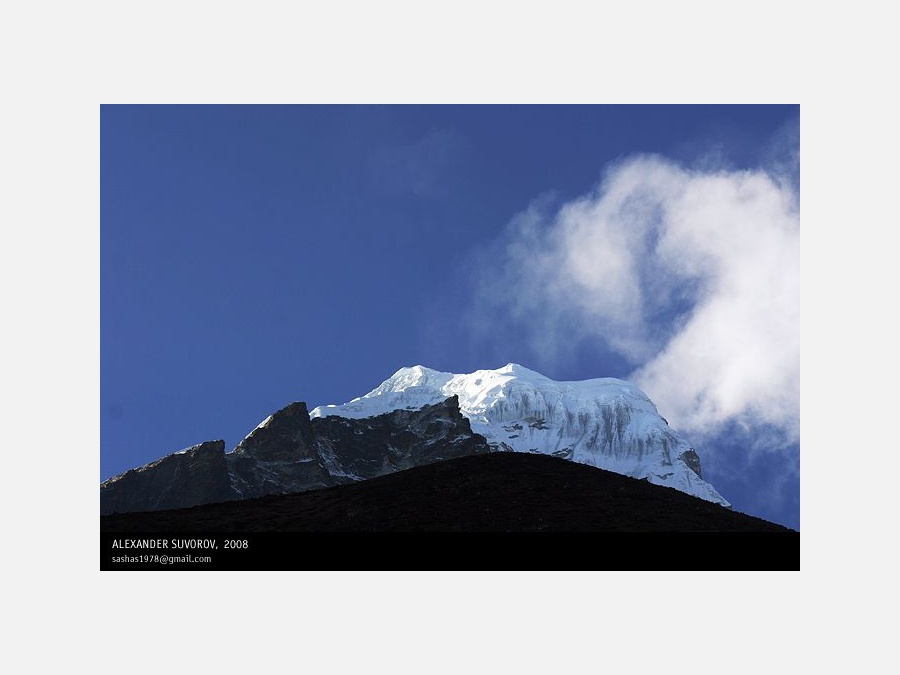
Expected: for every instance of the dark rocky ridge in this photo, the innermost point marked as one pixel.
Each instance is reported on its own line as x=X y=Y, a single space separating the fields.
x=499 y=492
x=290 y=453
x=197 y=475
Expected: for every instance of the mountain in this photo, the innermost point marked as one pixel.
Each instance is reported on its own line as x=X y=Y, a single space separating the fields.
x=416 y=417
x=291 y=452
x=605 y=423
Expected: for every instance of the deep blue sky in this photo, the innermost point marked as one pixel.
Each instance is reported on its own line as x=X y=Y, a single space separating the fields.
x=256 y=255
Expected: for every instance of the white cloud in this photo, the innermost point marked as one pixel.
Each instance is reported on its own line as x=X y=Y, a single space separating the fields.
x=692 y=276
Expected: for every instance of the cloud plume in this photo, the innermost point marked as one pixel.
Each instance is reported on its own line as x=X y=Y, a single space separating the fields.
x=691 y=276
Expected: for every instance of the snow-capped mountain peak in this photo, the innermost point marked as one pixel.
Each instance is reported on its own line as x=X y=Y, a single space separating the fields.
x=603 y=422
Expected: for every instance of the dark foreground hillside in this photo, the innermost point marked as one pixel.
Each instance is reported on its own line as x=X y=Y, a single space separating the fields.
x=524 y=510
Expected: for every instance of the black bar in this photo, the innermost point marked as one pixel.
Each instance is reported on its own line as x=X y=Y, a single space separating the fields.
x=778 y=551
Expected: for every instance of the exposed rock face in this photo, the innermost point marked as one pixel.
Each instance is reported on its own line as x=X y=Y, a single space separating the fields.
x=400 y=440
x=197 y=475
x=290 y=453
x=278 y=457
x=692 y=460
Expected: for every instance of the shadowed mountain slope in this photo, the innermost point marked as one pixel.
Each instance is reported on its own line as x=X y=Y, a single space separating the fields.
x=498 y=492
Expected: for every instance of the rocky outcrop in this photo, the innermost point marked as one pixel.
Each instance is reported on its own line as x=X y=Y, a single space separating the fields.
x=278 y=457
x=692 y=459
x=290 y=453
x=197 y=475
x=400 y=440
